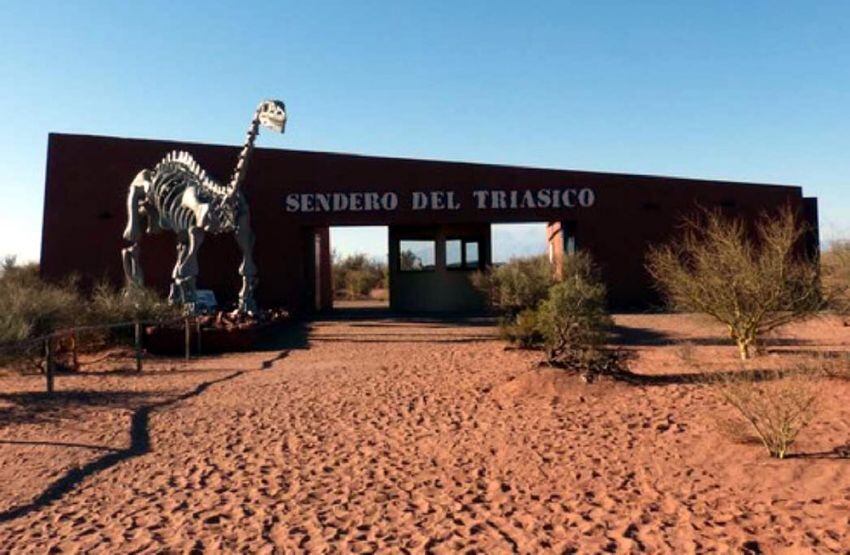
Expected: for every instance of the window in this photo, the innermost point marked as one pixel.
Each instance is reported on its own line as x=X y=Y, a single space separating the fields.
x=416 y=255
x=462 y=254
x=454 y=254
x=471 y=255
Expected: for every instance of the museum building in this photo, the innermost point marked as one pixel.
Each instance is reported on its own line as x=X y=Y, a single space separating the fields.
x=438 y=215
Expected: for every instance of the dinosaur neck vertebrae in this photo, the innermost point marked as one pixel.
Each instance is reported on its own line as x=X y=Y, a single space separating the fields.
x=245 y=153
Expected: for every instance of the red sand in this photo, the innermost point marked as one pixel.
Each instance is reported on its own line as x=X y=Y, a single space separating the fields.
x=389 y=436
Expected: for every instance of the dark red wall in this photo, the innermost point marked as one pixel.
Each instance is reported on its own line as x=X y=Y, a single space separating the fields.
x=87 y=180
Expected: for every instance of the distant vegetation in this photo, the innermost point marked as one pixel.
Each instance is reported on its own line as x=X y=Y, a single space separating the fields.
x=357 y=276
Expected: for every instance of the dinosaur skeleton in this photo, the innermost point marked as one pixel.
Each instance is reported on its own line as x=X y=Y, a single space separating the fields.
x=178 y=195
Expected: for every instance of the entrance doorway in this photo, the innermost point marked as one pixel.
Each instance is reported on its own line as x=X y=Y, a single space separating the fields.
x=359 y=267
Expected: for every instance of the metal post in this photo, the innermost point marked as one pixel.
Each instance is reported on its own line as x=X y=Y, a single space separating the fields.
x=48 y=365
x=188 y=338
x=138 y=330
x=198 y=331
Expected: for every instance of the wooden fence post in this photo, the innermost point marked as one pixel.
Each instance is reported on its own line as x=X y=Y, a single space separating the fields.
x=138 y=330
x=76 y=360
x=188 y=334
x=48 y=365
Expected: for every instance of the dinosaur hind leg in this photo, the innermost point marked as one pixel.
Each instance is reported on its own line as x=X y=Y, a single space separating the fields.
x=186 y=270
x=175 y=295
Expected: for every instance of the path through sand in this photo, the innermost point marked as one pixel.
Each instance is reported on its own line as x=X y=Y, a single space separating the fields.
x=396 y=436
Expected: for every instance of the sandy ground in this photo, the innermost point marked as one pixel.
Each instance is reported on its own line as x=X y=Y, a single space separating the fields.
x=399 y=436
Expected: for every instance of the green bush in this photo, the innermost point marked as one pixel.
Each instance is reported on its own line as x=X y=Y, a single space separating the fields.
x=580 y=265
x=573 y=321
x=520 y=284
x=521 y=330
x=565 y=313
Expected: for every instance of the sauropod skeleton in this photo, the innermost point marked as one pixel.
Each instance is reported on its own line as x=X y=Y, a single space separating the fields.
x=178 y=195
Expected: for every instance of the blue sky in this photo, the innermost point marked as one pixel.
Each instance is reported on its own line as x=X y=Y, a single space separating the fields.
x=753 y=91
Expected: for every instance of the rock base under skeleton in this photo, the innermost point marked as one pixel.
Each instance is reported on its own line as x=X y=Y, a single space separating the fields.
x=219 y=332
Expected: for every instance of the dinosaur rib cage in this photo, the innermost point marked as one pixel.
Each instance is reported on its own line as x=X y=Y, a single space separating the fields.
x=171 y=177
x=168 y=185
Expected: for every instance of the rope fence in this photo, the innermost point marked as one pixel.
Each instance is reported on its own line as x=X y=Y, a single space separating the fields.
x=44 y=347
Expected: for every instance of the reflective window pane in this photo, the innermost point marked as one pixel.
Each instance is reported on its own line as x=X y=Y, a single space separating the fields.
x=472 y=254
x=453 y=253
x=415 y=255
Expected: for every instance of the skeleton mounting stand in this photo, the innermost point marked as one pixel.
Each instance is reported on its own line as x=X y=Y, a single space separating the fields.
x=178 y=195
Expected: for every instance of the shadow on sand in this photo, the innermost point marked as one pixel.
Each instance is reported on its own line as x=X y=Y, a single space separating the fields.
x=29 y=406
x=631 y=336
x=139 y=445
x=696 y=378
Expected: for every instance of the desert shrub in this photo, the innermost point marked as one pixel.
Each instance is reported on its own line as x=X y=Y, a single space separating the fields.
x=563 y=311
x=520 y=284
x=750 y=283
x=356 y=276
x=522 y=329
x=32 y=307
x=573 y=321
x=835 y=269
x=132 y=303
x=109 y=305
x=580 y=265
x=776 y=405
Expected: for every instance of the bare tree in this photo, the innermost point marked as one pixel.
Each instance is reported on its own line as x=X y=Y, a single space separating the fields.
x=751 y=282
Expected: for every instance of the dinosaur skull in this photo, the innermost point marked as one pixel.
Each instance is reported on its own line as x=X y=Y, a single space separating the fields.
x=273 y=115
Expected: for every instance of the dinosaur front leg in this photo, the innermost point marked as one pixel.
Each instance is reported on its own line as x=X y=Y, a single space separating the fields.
x=135 y=196
x=248 y=270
